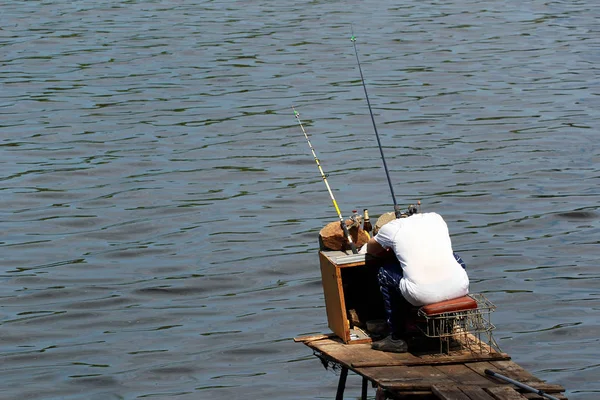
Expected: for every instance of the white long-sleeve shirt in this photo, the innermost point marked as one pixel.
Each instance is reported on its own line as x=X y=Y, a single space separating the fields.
x=422 y=244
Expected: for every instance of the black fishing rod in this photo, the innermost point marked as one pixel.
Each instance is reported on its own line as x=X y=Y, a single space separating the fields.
x=397 y=210
x=342 y=221
x=520 y=385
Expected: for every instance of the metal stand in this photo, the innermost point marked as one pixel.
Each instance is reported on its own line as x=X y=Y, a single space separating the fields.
x=342 y=385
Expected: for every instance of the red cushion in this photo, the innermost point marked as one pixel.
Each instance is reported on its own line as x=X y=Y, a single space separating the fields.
x=454 y=305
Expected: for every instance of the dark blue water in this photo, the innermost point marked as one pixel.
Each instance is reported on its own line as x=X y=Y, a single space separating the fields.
x=159 y=206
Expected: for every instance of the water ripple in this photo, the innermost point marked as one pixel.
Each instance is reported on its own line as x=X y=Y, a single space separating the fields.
x=160 y=206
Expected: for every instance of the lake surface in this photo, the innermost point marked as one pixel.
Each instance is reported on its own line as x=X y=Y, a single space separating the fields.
x=160 y=207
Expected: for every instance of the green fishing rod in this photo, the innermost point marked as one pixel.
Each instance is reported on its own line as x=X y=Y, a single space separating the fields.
x=342 y=221
x=397 y=210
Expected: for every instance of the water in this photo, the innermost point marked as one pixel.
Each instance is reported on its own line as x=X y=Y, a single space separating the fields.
x=160 y=207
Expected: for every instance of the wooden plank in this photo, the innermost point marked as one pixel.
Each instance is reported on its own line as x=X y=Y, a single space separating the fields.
x=448 y=392
x=516 y=372
x=362 y=356
x=342 y=259
x=475 y=393
x=405 y=387
x=334 y=298
x=507 y=392
x=311 y=338
x=463 y=375
x=441 y=360
x=504 y=393
x=535 y=396
x=349 y=259
x=405 y=394
x=408 y=378
x=481 y=366
x=355 y=353
x=372 y=358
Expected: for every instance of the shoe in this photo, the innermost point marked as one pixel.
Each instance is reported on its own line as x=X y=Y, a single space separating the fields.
x=390 y=345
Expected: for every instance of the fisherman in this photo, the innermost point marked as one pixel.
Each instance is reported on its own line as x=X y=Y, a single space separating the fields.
x=422 y=269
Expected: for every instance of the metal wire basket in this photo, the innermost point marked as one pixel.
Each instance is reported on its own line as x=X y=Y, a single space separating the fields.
x=466 y=327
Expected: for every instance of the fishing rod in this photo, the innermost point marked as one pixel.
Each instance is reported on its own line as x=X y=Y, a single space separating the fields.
x=397 y=210
x=342 y=221
x=520 y=385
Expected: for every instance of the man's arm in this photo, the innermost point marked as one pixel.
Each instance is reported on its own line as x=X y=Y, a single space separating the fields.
x=375 y=248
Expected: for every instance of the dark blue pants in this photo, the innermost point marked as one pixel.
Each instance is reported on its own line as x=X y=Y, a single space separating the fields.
x=397 y=309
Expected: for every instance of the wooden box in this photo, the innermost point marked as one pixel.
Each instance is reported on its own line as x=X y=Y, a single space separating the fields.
x=352 y=295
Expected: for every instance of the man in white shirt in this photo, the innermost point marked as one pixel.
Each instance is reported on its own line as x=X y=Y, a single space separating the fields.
x=427 y=270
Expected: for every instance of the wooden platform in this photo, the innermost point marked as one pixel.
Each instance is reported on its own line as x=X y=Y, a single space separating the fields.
x=458 y=375
x=452 y=367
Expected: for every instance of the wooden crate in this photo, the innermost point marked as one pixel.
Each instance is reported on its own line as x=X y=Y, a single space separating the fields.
x=352 y=295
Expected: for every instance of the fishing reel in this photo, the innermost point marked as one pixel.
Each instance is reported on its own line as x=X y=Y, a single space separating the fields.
x=410 y=210
x=356 y=219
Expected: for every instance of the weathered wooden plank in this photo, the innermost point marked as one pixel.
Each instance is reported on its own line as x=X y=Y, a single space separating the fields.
x=311 y=338
x=441 y=360
x=534 y=396
x=504 y=393
x=334 y=299
x=362 y=356
x=349 y=259
x=448 y=392
x=406 y=394
x=343 y=260
x=355 y=353
x=408 y=378
x=545 y=387
x=516 y=372
x=481 y=366
x=463 y=375
x=475 y=393
x=406 y=387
